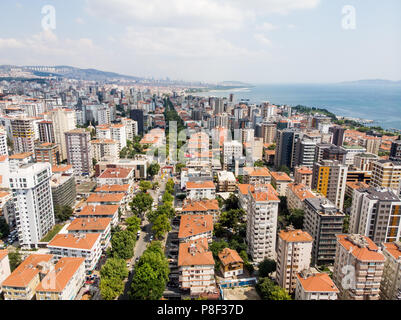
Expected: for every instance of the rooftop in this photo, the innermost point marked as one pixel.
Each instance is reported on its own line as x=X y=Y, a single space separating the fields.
x=229 y=256
x=195 y=253
x=203 y=205
x=192 y=225
x=201 y=185
x=121 y=173
x=100 y=210
x=84 y=241
x=316 y=282
x=95 y=223
x=291 y=235
x=361 y=247
x=105 y=197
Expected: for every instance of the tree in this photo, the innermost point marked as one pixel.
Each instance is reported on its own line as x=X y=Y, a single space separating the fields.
x=145 y=185
x=231 y=219
x=266 y=267
x=111 y=288
x=170 y=186
x=240 y=179
x=122 y=244
x=94 y=162
x=232 y=203
x=141 y=203
x=179 y=167
x=155 y=185
x=296 y=218
x=347 y=203
x=165 y=209
x=168 y=198
x=259 y=164
x=4 y=228
x=133 y=224
x=15 y=259
x=272 y=147
x=114 y=268
x=269 y=291
x=284 y=169
x=153 y=169
x=161 y=226
x=63 y=213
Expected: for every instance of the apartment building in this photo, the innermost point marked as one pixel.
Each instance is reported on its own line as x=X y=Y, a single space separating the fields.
x=315 y=286
x=116 y=176
x=98 y=199
x=131 y=127
x=303 y=175
x=105 y=150
x=203 y=207
x=262 y=223
x=296 y=195
x=101 y=211
x=23 y=134
x=395 y=151
x=232 y=264
x=46 y=132
x=352 y=186
x=196 y=267
x=280 y=181
x=376 y=213
x=226 y=181
x=82 y=245
x=364 y=161
x=323 y=221
x=329 y=179
x=194 y=227
x=386 y=174
x=79 y=151
x=21 y=284
x=64 y=192
x=34 y=213
x=232 y=151
x=64 y=120
x=351 y=151
x=3 y=142
x=47 y=152
x=294 y=250
x=201 y=190
x=64 y=281
x=358 y=255
x=116 y=132
x=4 y=267
x=390 y=287
x=257 y=175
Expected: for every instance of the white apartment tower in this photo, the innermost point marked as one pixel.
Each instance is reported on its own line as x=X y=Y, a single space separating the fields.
x=64 y=120
x=30 y=184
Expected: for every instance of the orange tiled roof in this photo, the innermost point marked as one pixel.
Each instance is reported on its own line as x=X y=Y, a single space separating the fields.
x=121 y=173
x=392 y=249
x=3 y=254
x=89 y=224
x=295 y=236
x=265 y=196
x=280 y=176
x=71 y=241
x=201 y=185
x=63 y=271
x=192 y=225
x=304 y=170
x=356 y=185
x=301 y=191
x=113 y=188
x=201 y=254
x=105 y=197
x=228 y=256
x=58 y=169
x=370 y=253
x=319 y=282
x=26 y=271
x=21 y=156
x=100 y=210
x=204 y=205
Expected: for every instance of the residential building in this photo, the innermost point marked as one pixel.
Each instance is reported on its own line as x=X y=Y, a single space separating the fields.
x=47 y=152
x=386 y=174
x=4 y=267
x=201 y=190
x=105 y=150
x=92 y=225
x=202 y=207
x=395 y=151
x=116 y=176
x=63 y=281
x=364 y=161
x=196 y=267
x=359 y=255
x=294 y=249
x=232 y=151
x=232 y=264
x=296 y=195
x=21 y=284
x=101 y=211
x=337 y=135
x=323 y=221
x=280 y=181
x=257 y=175
x=79 y=151
x=303 y=175
x=262 y=223
x=64 y=120
x=351 y=151
x=390 y=287
x=23 y=134
x=34 y=213
x=64 y=192
x=194 y=227
x=376 y=213
x=226 y=181
x=286 y=148
x=46 y=132
x=85 y=245
x=329 y=179
x=3 y=142
x=315 y=286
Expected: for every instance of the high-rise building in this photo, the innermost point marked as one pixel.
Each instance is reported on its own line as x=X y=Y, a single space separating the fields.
x=386 y=174
x=294 y=250
x=338 y=136
x=351 y=151
x=30 y=184
x=305 y=153
x=79 y=151
x=303 y=175
x=232 y=151
x=322 y=221
x=138 y=116
x=105 y=150
x=390 y=287
x=376 y=213
x=63 y=190
x=3 y=142
x=47 y=152
x=262 y=223
x=46 y=132
x=63 y=120
x=329 y=179
x=23 y=133
x=395 y=152
x=358 y=268
x=286 y=147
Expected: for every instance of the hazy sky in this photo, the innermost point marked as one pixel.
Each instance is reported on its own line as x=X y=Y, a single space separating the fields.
x=258 y=41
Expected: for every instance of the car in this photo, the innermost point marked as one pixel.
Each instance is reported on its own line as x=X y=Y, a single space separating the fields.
x=128 y=265
x=151 y=238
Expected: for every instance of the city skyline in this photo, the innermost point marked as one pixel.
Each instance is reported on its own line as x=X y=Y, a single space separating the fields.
x=261 y=42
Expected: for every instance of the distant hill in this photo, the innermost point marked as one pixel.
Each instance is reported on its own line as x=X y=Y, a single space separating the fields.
x=372 y=82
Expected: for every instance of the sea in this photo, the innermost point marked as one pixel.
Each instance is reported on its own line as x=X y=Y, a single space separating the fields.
x=378 y=102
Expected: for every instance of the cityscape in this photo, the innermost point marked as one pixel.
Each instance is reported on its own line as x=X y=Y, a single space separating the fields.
x=117 y=187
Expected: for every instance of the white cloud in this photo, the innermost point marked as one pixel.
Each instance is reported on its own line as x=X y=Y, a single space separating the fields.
x=266 y=26
x=79 y=20
x=10 y=43
x=261 y=38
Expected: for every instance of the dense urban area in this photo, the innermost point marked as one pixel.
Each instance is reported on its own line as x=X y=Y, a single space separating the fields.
x=132 y=191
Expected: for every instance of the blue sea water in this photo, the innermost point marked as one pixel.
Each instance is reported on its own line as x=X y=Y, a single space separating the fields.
x=381 y=103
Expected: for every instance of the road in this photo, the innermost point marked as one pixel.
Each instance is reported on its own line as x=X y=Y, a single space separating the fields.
x=144 y=238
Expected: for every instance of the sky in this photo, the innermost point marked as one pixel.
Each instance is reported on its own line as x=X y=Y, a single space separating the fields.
x=255 y=41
